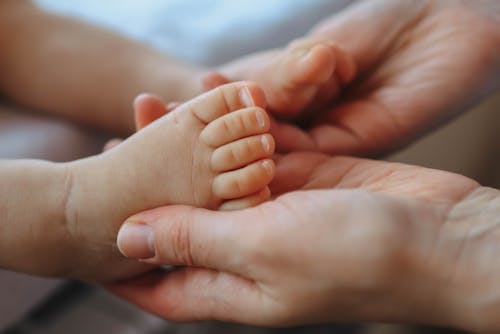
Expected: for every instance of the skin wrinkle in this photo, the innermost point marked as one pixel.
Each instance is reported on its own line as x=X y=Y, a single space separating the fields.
x=196 y=196
x=445 y=218
x=422 y=14
x=257 y=256
x=481 y=230
x=182 y=241
x=366 y=82
x=397 y=126
x=337 y=182
x=341 y=125
x=70 y=217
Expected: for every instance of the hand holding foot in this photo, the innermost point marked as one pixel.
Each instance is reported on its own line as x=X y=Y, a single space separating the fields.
x=213 y=151
x=389 y=243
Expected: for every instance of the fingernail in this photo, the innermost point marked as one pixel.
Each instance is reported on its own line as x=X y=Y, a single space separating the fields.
x=246 y=98
x=136 y=241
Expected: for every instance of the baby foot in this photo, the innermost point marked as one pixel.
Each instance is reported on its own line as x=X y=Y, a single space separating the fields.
x=236 y=138
x=305 y=76
x=213 y=152
x=309 y=73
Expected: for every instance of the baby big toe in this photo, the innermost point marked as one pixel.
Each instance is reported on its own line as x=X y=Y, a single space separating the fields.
x=244 y=181
x=225 y=99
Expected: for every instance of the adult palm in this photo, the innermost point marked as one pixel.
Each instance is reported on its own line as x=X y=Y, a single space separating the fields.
x=381 y=241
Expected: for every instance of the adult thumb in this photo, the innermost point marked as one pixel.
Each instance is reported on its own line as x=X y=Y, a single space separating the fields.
x=181 y=235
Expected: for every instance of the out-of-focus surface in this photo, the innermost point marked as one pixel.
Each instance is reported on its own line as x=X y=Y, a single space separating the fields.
x=25 y=135
x=34 y=136
x=19 y=293
x=205 y=32
x=469 y=145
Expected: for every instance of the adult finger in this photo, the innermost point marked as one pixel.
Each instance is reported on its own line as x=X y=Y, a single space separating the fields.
x=180 y=235
x=193 y=294
x=289 y=138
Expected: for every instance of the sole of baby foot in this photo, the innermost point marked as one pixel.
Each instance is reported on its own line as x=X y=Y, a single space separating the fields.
x=311 y=73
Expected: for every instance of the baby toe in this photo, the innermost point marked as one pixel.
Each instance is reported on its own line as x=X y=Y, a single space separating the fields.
x=244 y=181
x=242 y=152
x=225 y=99
x=248 y=201
x=236 y=125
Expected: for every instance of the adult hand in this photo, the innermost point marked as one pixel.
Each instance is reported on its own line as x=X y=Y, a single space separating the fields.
x=400 y=243
x=420 y=64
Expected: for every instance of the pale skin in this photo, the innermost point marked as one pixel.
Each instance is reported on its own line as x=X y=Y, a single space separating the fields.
x=483 y=35
x=425 y=242
x=417 y=65
x=380 y=242
x=45 y=69
x=61 y=66
x=213 y=151
x=44 y=52
x=302 y=78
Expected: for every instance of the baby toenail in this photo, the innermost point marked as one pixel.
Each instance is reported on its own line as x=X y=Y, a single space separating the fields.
x=266 y=164
x=260 y=119
x=265 y=143
x=246 y=98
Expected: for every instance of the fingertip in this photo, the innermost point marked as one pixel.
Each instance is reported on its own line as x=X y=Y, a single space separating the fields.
x=136 y=241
